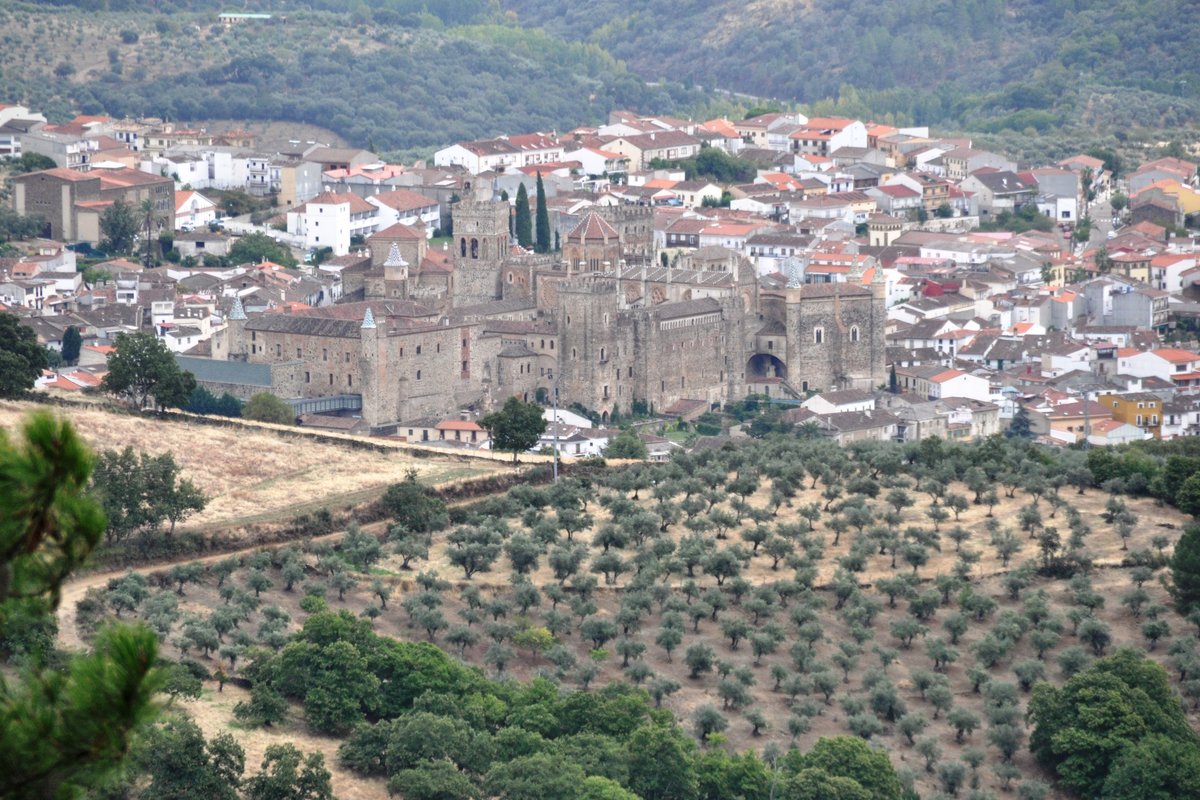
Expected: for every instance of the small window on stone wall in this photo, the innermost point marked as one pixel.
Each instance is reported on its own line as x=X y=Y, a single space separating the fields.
x=818 y=335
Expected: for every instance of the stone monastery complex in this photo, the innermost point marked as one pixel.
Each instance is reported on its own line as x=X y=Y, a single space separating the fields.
x=888 y=283
x=606 y=323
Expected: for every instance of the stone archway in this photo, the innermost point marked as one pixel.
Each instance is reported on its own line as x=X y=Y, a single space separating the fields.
x=765 y=365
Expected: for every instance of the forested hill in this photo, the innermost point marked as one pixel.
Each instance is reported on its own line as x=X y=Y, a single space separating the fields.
x=406 y=76
x=967 y=62
x=409 y=84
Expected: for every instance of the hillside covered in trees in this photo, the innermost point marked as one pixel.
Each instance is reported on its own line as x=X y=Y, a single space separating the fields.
x=948 y=608
x=977 y=64
x=408 y=76
x=409 y=83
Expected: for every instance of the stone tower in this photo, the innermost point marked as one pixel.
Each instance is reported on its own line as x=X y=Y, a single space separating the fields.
x=395 y=271
x=480 y=247
x=235 y=333
x=883 y=229
x=592 y=246
x=635 y=227
x=370 y=370
x=588 y=354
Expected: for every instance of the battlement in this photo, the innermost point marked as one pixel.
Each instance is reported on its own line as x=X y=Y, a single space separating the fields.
x=625 y=213
x=589 y=284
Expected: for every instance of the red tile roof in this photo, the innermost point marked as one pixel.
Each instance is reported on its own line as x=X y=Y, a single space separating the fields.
x=398 y=231
x=593 y=227
x=404 y=200
x=1176 y=355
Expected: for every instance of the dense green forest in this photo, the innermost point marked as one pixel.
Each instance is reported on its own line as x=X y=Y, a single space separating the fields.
x=407 y=76
x=980 y=64
x=409 y=86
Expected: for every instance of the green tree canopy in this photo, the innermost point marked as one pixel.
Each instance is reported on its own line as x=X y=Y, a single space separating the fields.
x=66 y=728
x=542 y=221
x=254 y=247
x=1021 y=427
x=143 y=368
x=852 y=758
x=140 y=492
x=72 y=342
x=14 y=226
x=1084 y=728
x=180 y=764
x=289 y=774
x=626 y=445
x=414 y=506
x=22 y=359
x=433 y=780
x=266 y=407
x=523 y=223
x=119 y=225
x=1156 y=768
x=33 y=162
x=516 y=427
x=1185 y=570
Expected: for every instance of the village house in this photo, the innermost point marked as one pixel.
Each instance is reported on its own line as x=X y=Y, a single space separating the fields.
x=641 y=149
x=1141 y=409
x=72 y=202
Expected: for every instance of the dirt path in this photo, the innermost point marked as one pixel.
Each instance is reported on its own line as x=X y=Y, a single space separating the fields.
x=74 y=591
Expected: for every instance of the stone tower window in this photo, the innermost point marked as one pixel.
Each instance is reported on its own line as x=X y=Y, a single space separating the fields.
x=474 y=248
x=818 y=335
x=854 y=333
x=462 y=247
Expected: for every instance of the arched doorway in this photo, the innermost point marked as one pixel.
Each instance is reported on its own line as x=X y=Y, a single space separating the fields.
x=765 y=365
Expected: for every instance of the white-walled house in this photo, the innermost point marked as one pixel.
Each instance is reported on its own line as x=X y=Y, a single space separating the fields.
x=575 y=442
x=939 y=383
x=565 y=417
x=838 y=402
x=193 y=210
x=406 y=207
x=1181 y=367
x=824 y=136
x=493 y=155
x=331 y=220
x=594 y=161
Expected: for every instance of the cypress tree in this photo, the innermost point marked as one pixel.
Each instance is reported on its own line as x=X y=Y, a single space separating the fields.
x=524 y=225
x=71 y=344
x=543 y=218
x=1020 y=427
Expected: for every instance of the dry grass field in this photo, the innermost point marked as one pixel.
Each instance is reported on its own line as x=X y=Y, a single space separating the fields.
x=256 y=476
x=1109 y=579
